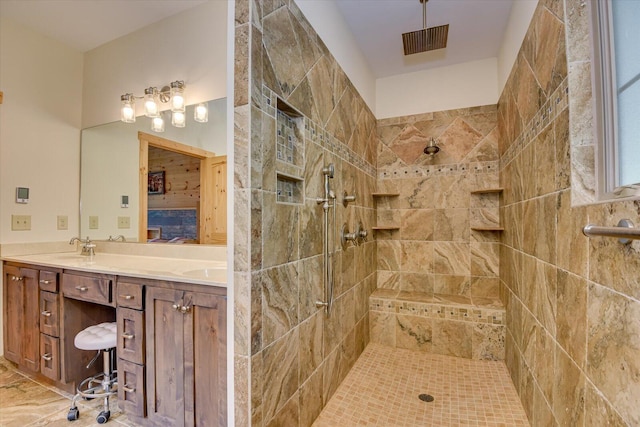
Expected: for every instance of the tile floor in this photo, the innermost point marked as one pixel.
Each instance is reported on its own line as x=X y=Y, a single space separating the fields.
x=382 y=390
x=26 y=402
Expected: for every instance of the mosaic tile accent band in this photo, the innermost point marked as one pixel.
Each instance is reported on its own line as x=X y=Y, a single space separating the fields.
x=465 y=313
x=436 y=170
x=557 y=103
x=314 y=132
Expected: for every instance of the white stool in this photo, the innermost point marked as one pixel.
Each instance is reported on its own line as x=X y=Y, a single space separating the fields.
x=100 y=338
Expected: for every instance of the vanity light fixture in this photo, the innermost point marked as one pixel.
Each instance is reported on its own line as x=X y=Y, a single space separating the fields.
x=128 y=108
x=174 y=93
x=201 y=113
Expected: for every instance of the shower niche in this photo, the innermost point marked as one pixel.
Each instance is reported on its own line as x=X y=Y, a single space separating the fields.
x=289 y=154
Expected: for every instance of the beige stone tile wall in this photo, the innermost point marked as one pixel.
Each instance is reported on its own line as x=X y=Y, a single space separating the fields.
x=291 y=357
x=573 y=309
x=434 y=249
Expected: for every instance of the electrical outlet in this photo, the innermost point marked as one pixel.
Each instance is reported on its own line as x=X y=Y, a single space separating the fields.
x=93 y=222
x=124 y=222
x=20 y=222
x=63 y=222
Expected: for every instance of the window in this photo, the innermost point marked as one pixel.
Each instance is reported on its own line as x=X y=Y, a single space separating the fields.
x=617 y=93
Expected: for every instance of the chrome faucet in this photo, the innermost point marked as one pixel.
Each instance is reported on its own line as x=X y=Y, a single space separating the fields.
x=88 y=248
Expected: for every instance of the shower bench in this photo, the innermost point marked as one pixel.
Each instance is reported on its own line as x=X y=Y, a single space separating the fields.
x=453 y=325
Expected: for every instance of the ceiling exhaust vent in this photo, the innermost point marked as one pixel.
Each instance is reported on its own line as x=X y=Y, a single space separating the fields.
x=426 y=39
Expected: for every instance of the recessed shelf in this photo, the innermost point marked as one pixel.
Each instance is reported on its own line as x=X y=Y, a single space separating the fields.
x=488 y=228
x=385 y=194
x=386 y=228
x=487 y=191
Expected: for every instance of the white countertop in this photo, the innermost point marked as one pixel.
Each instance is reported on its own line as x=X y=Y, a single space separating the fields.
x=198 y=271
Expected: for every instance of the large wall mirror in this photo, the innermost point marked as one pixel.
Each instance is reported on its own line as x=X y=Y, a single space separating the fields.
x=165 y=203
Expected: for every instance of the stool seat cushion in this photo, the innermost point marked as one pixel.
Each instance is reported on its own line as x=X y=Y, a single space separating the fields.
x=97 y=337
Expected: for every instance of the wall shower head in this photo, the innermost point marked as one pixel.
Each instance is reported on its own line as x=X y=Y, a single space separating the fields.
x=426 y=39
x=432 y=149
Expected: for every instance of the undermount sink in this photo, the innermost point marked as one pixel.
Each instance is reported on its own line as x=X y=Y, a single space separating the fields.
x=207 y=273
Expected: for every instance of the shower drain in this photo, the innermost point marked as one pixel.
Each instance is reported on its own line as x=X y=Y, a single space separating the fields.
x=425 y=397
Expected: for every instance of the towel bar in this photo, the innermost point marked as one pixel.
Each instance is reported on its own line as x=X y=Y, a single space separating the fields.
x=625 y=231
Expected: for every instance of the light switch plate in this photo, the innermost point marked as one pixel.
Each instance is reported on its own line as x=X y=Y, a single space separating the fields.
x=63 y=222
x=20 y=222
x=93 y=222
x=124 y=222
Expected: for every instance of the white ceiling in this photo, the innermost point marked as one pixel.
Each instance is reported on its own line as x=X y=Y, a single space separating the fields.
x=476 y=27
x=86 y=24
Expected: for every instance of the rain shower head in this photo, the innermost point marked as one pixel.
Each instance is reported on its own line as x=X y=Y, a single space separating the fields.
x=426 y=39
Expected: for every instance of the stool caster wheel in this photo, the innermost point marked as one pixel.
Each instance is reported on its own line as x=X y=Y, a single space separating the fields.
x=73 y=414
x=103 y=417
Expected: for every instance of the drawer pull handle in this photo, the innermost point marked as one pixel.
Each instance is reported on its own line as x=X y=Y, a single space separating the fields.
x=82 y=288
x=46 y=313
x=127 y=336
x=16 y=278
x=47 y=357
x=128 y=389
x=44 y=281
x=127 y=297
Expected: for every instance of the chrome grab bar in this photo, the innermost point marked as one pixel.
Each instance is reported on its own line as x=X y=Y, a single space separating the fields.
x=624 y=231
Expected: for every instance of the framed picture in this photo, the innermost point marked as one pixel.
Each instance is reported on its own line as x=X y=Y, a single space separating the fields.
x=156 y=182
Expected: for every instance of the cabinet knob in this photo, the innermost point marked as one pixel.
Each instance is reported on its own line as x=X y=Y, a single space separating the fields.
x=44 y=281
x=127 y=297
x=46 y=313
x=16 y=278
x=82 y=288
x=185 y=309
x=176 y=306
x=47 y=357
x=128 y=389
x=127 y=336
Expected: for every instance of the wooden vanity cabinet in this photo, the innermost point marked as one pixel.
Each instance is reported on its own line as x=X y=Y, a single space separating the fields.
x=21 y=317
x=49 y=325
x=186 y=356
x=131 y=346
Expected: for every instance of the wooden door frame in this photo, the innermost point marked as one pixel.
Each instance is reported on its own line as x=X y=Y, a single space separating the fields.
x=147 y=140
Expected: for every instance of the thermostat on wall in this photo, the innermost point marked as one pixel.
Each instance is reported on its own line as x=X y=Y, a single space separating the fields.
x=22 y=195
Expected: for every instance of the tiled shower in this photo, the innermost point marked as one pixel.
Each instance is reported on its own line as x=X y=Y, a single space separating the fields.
x=570 y=310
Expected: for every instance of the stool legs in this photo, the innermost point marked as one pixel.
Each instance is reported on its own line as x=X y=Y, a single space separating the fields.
x=106 y=383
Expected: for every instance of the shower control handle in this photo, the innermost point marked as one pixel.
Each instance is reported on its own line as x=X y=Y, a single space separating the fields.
x=345 y=236
x=361 y=233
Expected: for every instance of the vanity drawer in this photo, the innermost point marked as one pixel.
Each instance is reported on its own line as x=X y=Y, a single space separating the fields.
x=131 y=388
x=49 y=314
x=50 y=357
x=129 y=295
x=87 y=288
x=130 y=329
x=48 y=281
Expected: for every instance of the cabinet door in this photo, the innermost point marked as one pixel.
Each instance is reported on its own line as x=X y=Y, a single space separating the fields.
x=22 y=327
x=13 y=309
x=165 y=356
x=205 y=360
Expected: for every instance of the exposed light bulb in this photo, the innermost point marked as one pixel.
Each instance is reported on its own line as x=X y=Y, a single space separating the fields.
x=157 y=124
x=177 y=97
x=178 y=119
x=201 y=113
x=128 y=108
x=151 y=102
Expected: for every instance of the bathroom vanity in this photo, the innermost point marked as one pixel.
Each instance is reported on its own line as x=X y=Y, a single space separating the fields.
x=171 y=329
